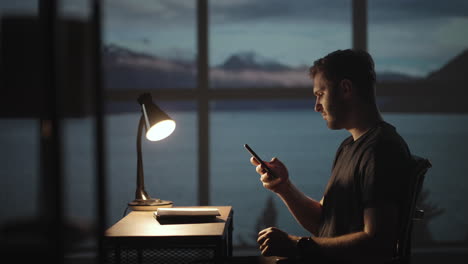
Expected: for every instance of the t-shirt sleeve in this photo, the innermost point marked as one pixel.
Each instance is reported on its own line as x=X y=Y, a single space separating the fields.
x=382 y=174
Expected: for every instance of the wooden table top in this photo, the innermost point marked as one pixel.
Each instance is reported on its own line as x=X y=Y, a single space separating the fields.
x=144 y=224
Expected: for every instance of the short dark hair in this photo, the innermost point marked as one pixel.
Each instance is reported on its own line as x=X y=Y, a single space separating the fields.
x=354 y=65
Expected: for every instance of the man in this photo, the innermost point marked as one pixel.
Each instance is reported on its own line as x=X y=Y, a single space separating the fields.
x=358 y=218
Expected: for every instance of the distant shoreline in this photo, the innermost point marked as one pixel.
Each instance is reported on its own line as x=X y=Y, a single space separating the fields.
x=386 y=104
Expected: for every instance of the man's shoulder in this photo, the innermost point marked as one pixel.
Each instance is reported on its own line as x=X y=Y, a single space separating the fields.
x=385 y=134
x=382 y=140
x=386 y=141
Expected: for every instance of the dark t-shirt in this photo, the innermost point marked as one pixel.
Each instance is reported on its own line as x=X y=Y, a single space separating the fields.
x=367 y=172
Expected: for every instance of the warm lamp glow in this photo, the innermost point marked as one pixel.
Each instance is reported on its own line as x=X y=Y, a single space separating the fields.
x=161 y=130
x=158 y=125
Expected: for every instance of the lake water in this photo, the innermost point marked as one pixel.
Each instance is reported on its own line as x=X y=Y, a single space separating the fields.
x=299 y=138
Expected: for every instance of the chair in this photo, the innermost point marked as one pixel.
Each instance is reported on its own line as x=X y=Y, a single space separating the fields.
x=418 y=171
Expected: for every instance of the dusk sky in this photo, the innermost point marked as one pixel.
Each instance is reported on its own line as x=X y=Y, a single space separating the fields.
x=413 y=37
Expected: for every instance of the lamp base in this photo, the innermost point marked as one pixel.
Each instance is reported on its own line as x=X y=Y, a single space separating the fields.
x=149 y=204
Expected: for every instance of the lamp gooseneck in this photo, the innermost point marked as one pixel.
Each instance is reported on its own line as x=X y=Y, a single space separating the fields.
x=140 y=193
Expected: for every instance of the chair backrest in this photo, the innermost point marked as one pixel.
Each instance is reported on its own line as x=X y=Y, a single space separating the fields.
x=419 y=168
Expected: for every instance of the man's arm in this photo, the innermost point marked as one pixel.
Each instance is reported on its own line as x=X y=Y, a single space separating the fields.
x=374 y=244
x=306 y=210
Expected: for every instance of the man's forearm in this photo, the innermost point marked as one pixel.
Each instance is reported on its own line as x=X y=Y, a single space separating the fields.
x=359 y=247
x=306 y=210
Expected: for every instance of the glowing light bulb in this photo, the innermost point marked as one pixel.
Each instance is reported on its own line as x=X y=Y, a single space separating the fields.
x=161 y=130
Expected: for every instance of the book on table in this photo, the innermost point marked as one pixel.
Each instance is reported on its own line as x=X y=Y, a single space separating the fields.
x=186 y=214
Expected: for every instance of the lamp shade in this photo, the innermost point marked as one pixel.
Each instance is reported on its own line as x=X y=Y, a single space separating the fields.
x=157 y=123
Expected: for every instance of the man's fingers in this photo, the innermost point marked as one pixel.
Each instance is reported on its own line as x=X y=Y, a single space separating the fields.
x=261 y=239
x=268 y=179
x=265 y=248
x=266 y=242
x=263 y=235
x=254 y=161
x=266 y=251
x=259 y=169
x=263 y=231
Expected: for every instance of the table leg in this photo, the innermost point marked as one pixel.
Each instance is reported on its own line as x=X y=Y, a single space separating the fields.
x=117 y=253
x=229 y=238
x=140 y=255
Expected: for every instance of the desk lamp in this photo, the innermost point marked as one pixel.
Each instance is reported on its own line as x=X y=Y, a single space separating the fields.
x=158 y=126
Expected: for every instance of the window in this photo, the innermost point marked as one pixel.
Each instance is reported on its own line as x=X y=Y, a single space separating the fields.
x=261 y=51
x=419 y=49
x=169 y=165
x=275 y=128
x=259 y=93
x=149 y=45
x=255 y=44
x=416 y=40
x=21 y=168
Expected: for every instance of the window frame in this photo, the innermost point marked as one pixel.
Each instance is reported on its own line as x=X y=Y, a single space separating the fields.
x=203 y=95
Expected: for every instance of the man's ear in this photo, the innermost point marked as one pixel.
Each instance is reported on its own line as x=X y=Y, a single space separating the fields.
x=347 y=87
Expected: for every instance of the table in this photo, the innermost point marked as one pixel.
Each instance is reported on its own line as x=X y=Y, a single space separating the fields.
x=140 y=238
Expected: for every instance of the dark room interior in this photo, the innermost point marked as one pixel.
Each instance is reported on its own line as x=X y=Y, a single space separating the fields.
x=85 y=178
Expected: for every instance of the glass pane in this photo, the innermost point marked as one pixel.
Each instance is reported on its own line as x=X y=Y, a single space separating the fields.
x=272 y=43
x=29 y=7
x=79 y=185
x=149 y=44
x=169 y=165
x=73 y=9
x=20 y=172
x=431 y=49
x=414 y=39
x=299 y=137
x=441 y=139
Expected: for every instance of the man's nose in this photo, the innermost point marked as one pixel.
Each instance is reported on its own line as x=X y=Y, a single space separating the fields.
x=318 y=106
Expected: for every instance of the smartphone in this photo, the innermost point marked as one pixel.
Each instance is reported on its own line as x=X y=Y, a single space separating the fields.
x=264 y=166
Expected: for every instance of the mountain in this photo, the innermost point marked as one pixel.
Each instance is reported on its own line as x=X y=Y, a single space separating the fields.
x=248 y=69
x=454 y=70
x=126 y=69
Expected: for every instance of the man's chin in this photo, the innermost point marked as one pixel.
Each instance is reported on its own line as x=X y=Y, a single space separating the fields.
x=333 y=125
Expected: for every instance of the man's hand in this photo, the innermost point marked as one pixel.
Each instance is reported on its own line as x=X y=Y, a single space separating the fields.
x=274 y=242
x=278 y=168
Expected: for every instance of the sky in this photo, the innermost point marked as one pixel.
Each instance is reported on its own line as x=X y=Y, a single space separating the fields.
x=413 y=37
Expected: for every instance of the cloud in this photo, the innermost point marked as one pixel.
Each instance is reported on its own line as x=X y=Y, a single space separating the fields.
x=232 y=11
x=279 y=10
x=422 y=46
x=150 y=13
x=403 y=10
x=306 y=10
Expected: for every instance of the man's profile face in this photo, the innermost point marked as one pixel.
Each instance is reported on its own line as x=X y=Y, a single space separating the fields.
x=328 y=102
